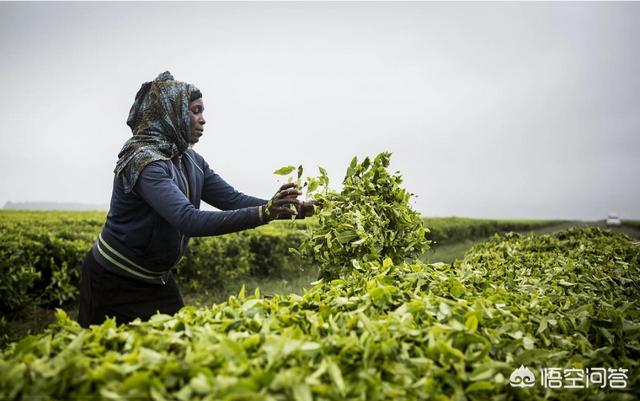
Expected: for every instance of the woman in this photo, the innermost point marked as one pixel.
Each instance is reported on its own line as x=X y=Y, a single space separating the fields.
x=157 y=189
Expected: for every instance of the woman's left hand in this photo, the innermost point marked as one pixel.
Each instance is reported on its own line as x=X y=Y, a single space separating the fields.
x=308 y=208
x=279 y=206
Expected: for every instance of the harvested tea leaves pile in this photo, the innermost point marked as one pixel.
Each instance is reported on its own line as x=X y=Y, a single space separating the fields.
x=370 y=219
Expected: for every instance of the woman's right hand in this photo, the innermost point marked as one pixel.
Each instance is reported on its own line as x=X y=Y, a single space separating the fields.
x=278 y=207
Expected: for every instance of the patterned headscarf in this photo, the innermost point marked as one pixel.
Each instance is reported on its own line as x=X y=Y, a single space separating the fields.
x=159 y=120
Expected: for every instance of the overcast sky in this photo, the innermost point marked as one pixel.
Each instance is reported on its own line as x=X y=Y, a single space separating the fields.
x=512 y=110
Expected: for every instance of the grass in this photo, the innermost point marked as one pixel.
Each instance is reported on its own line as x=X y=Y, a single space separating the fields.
x=448 y=253
x=31 y=320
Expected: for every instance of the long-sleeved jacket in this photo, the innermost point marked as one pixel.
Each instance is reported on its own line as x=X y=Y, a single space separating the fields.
x=148 y=229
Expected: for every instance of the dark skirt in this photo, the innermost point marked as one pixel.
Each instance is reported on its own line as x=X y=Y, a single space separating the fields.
x=105 y=294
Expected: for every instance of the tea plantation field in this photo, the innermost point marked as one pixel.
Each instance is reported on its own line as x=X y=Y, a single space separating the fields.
x=518 y=316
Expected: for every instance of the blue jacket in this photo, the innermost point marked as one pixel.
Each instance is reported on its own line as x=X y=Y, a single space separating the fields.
x=147 y=230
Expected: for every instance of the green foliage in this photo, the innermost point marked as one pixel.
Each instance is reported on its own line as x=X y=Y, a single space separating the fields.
x=406 y=331
x=210 y=261
x=368 y=220
x=41 y=254
x=18 y=271
x=447 y=230
x=319 y=182
x=284 y=170
x=593 y=273
x=631 y=223
x=270 y=244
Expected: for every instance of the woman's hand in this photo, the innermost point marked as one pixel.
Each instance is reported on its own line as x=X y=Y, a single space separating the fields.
x=308 y=208
x=279 y=206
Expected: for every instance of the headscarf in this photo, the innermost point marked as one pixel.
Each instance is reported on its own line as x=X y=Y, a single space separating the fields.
x=159 y=120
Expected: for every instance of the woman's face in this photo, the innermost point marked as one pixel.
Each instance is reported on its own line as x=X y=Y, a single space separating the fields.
x=196 y=108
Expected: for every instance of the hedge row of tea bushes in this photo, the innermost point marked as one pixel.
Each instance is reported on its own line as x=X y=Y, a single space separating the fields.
x=41 y=254
x=447 y=230
x=631 y=223
x=386 y=331
x=260 y=252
